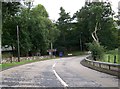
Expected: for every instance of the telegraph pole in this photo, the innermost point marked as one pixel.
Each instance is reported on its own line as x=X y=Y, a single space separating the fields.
x=18 y=43
x=81 y=41
x=51 y=49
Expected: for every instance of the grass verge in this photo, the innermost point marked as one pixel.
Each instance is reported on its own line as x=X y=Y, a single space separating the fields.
x=109 y=57
x=5 y=66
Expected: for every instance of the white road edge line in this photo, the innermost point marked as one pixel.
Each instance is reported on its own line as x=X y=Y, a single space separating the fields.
x=60 y=79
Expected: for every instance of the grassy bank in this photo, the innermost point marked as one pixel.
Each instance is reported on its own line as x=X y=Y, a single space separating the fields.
x=10 y=65
x=110 y=56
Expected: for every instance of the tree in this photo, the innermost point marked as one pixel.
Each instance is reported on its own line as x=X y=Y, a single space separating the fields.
x=63 y=25
x=23 y=23
x=39 y=29
x=53 y=32
x=95 y=19
x=118 y=22
x=82 y=26
x=9 y=10
x=42 y=31
x=99 y=11
x=34 y=28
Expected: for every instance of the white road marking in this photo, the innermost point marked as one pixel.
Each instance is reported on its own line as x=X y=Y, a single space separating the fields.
x=53 y=66
x=62 y=82
x=60 y=79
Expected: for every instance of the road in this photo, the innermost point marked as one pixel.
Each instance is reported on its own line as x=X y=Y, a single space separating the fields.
x=63 y=72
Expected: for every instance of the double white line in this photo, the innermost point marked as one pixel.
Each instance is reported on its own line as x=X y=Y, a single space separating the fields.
x=58 y=77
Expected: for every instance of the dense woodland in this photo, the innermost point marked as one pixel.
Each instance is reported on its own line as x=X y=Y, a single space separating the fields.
x=93 y=22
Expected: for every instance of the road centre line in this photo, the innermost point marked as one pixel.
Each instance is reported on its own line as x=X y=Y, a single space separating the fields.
x=58 y=77
x=53 y=65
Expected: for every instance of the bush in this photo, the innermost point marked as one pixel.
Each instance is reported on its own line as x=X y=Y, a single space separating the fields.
x=96 y=50
x=6 y=55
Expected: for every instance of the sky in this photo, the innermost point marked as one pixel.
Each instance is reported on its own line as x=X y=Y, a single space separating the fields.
x=53 y=6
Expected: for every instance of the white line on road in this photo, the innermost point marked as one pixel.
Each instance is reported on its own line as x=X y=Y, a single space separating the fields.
x=60 y=79
x=53 y=66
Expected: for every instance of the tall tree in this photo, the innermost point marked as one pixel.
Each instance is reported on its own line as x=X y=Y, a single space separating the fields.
x=34 y=28
x=118 y=22
x=54 y=32
x=39 y=30
x=97 y=21
x=63 y=25
x=9 y=10
x=42 y=29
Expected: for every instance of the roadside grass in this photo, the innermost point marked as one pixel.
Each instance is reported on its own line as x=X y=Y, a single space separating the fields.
x=10 y=65
x=109 y=57
x=13 y=64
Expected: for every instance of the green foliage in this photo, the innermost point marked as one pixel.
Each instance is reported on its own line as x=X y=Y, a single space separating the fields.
x=36 y=30
x=39 y=10
x=6 y=55
x=113 y=52
x=97 y=50
x=97 y=14
x=118 y=32
x=54 y=32
x=9 y=65
x=110 y=41
x=65 y=27
x=111 y=58
x=43 y=30
x=8 y=22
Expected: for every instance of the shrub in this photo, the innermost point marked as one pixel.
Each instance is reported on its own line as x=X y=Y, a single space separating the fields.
x=96 y=50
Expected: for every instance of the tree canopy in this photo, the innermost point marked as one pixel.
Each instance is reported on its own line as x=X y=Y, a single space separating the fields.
x=96 y=20
x=36 y=30
x=91 y=23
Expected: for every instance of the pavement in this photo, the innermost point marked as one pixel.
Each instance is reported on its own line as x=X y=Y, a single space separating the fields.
x=63 y=72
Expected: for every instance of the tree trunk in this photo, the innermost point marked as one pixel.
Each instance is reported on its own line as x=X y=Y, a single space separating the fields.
x=94 y=34
x=12 y=46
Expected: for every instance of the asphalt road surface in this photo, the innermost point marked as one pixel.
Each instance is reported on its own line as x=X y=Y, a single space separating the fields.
x=63 y=72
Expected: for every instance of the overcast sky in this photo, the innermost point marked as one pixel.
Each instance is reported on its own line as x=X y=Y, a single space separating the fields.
x=53 y=6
